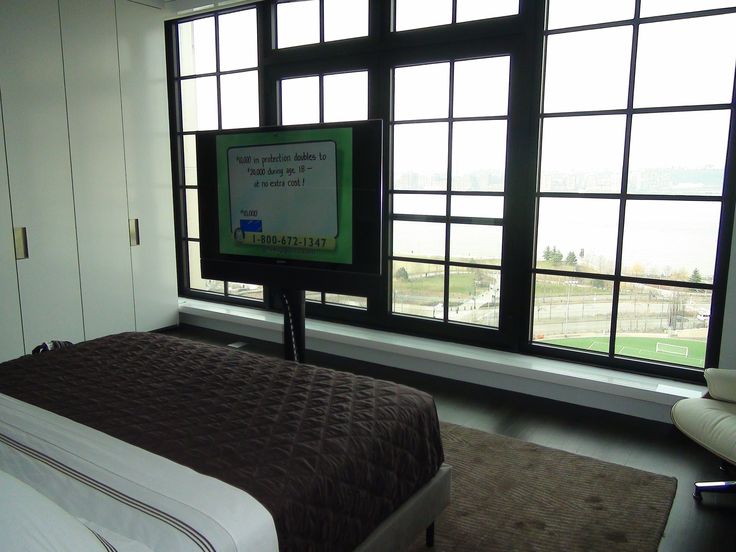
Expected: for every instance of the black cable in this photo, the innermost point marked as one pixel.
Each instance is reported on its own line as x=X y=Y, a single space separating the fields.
x=291 y=325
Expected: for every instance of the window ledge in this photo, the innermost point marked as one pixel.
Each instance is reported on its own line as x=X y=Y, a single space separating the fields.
x=633 y=394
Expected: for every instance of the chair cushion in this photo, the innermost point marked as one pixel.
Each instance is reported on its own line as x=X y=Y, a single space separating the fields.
x=721 y=384
x=710 y=423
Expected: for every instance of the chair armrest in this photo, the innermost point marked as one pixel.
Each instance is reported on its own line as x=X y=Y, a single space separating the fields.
x=721 y=384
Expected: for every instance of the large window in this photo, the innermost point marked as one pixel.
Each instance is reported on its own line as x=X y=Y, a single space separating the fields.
x=448 y=175
x=215 y=85
x=560 y=175
x=635 y=127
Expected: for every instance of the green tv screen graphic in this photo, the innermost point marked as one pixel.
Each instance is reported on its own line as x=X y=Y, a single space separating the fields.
x=286 y=194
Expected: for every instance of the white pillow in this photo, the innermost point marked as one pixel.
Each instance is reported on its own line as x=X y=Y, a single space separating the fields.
x=31 y=522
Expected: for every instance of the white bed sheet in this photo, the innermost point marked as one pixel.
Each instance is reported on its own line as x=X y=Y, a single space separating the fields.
x=136 y=494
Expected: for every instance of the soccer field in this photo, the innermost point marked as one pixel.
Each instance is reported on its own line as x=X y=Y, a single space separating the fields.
x=676 y=351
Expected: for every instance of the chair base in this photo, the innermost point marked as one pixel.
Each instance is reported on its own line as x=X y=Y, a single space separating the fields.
x=713 y=487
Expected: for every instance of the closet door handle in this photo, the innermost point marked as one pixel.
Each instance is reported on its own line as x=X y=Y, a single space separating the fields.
x=20 y=237
x=134 y=231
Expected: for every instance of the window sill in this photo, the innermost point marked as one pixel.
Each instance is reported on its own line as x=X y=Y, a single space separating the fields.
x=632 y=394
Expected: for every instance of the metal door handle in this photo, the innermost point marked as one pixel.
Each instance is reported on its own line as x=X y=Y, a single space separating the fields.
x=20 y=237
x=134 y=231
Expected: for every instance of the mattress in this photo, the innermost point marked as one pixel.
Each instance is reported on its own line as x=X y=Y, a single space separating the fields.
x=329 y=454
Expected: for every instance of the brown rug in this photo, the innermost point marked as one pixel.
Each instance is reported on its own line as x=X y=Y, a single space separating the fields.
x=510 y=495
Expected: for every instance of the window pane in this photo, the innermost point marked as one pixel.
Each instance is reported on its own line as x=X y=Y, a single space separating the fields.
x=422 y=91
x=664 y=324
x=190 y=160
x=418 y=289
x=199 y=104
x=420 y=156
x=471 y=10
x=196 y=281
x=300 y=100
x=582 y=154
x=239 y=96
x=424 y=240
x=345 y=19
x=420 y=204
x=474 y=296
x=671 y=239
x=673 y=71
x=238 y=34
x=663 y=7
x=297 y=23
x=478 y=156
x=246 y=291
x=481 y=87
x=476 y=244
x=414 y=14
x=572 y=312
x=192 y=213
x=314 y=296
x=477 y=206
x=346 y=300
x=588 y=70
x=197 y=47
x=346 y=97
x=570 y=13
x=678 y=153
x=577 y=234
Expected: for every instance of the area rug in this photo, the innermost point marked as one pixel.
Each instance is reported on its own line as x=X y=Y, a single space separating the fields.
x=510 y=495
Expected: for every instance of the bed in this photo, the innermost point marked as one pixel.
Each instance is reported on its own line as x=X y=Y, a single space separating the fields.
x=314 y=459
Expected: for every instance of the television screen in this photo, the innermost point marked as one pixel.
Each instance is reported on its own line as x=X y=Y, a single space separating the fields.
x=298 y=207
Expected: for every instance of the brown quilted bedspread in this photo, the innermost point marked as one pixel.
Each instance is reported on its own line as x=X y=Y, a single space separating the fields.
x=330 y=454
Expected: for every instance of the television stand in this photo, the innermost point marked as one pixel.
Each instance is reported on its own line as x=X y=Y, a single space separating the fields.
x=293 y=304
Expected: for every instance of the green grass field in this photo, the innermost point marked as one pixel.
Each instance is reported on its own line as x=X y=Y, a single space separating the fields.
x=462 y=286
x=641 y=347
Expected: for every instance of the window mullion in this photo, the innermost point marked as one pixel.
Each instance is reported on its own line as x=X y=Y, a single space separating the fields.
x=624 y=186
x=448 y=196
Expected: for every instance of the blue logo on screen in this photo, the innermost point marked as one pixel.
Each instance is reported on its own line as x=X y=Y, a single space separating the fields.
x=251 y=225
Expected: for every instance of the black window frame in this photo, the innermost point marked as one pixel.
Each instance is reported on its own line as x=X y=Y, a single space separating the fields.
x=522 y=38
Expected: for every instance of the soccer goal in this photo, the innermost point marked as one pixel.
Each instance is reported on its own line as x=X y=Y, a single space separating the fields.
x=672 y=349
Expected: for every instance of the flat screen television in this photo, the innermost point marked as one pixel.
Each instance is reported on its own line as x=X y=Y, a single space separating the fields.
x=297 y=207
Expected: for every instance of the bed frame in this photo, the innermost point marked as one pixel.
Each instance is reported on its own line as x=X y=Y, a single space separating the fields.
x=418 y=513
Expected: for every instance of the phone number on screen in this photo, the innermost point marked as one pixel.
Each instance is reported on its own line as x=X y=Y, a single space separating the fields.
x=281 y=240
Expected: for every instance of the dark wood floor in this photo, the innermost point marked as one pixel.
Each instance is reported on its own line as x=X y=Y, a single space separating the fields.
x=625 y=440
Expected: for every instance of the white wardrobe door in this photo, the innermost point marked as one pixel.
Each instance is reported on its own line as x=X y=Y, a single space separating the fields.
x=88 y=34
x=37 y=145
x=148 y=162
x=11 y=334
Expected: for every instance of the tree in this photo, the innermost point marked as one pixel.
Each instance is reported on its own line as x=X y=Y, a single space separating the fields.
x=675 y=310
x=599 y=284
x=402 y=274
x=695 y=277
x=547 y=255
x=637 y=269
x=571 y=259
x=555 y=255
x=582 y=253
x=552 y=255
